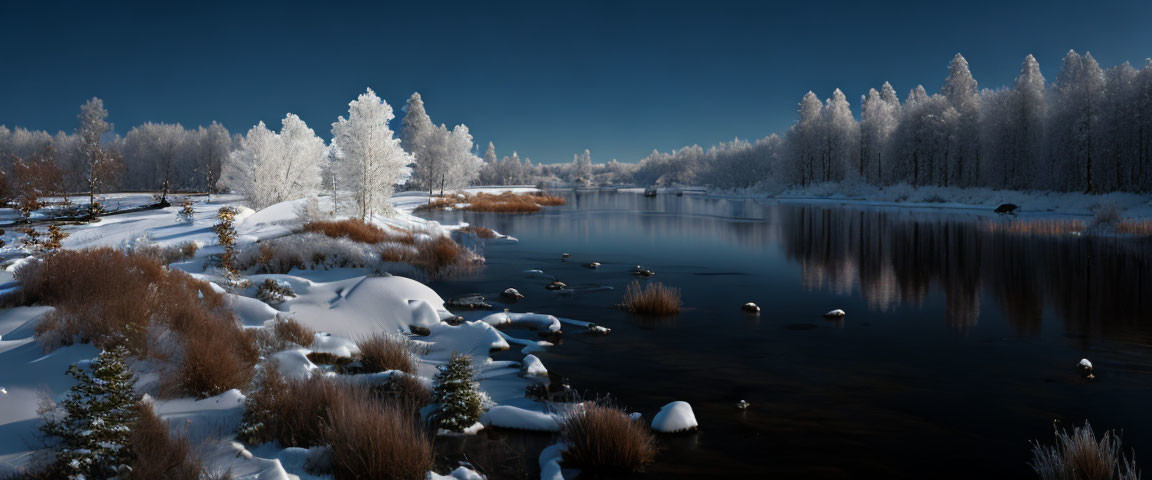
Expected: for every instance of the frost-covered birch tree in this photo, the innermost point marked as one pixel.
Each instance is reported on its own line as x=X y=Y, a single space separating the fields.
x=270 y=168
x=100 y=165
x=373 y=159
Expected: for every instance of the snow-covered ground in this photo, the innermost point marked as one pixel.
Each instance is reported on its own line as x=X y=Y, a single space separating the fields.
x=340 y=304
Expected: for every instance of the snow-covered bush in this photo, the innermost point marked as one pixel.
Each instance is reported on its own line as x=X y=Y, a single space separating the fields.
x=273 y=291
x=306 y=250
x=457 y=397
x=603 y=439
x=187 y=213
x=93 y=421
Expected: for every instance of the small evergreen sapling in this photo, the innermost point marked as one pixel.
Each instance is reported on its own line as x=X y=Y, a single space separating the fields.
x=92 y=422
x=457 y=396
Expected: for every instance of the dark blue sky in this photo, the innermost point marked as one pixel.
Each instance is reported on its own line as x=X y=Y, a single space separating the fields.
x=542 y=78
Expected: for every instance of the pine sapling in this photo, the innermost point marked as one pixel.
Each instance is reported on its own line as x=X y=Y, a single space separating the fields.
x=457 y=395
x=93 y=421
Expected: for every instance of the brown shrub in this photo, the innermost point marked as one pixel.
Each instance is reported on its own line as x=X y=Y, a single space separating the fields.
x=480 y=232
x=1078 y=455
x=436 y=203
x=355 y=230
x=438 y=257
x=157 y=453
x=604 y=440
x=655 y=299
x=289 y=330
x=107 y=297
x=382 y=352
x=503 y=203
x=405 y=391
x=377 y=440
x=293 y=412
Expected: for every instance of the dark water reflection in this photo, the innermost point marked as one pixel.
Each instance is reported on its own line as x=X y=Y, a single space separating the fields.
x=958 y=348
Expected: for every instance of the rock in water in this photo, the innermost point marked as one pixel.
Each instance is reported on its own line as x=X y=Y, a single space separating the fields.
x=594 y=265
x=1085 y=367
x=742 y=405
x=468 y=302
x=1007 y=208
x=751 y=308
x=835 y=314
x=557 y=285
x=565 y=256
x=643 y=272
x=675 y=417
x=512 y=293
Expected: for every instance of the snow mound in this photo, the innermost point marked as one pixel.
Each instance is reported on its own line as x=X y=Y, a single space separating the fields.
x=674 y=417
x=533 y=366
x=294 y=364
x=362 y=306
x=507 y=416
x=837 y=313
x=550 y=459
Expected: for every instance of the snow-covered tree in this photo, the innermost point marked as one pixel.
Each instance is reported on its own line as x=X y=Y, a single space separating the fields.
x=373 y=159
x=879 y=115
x=490 y=154
x=1074 y=127
x=270 y=168
x=100 y=165
x=153 y=154
x=92 y=422
x=962 y=165
x=841 y=138
x=456 y=395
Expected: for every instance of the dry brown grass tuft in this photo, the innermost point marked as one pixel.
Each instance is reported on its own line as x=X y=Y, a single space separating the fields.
x=289 y=330
x=157 y=453
x=406 y=391
x=377 y=440
x=438 y=257
x=604 y=440
x=655 y=299
x=436 y=203
x=1135 y=227
x=293 y=412
x=480 y=232
x=356 y=230
x=1078 y=455
x=502 y=203
x=107 y=297
x=383 y=352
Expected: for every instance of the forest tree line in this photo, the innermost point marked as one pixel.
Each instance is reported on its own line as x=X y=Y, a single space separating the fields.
x=1089 y=130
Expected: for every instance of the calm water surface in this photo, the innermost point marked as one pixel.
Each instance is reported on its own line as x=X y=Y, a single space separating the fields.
x=959 y=347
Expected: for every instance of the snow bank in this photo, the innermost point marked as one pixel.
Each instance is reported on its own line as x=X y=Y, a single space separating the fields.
x=674 y=417
x=507 y=416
